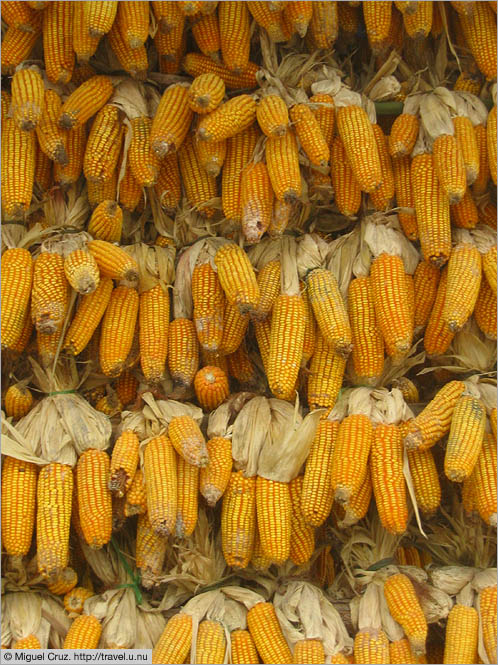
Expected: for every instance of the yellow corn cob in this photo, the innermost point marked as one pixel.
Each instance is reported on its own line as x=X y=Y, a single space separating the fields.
x=239 y=152
x=143 y=161
x=377 y=19
x=6 y=105
x=404 y=195
x=317 y=496
x=99 y=17
x=45 y=170
x=54 y=496
x=183 y=351
x=211 y=387
x=85 y=101
x=171 y=121
x=324 y=112
x=425 y=480
x=81 y=271
x=206 y=32
x=113 y=261
x=190 y=8
x=85 y=631
x=118 y=329
x=357 y=506
x=17 y=46
x=188 y=490
x=196 y=63
x=206 y=93
x=403 y=135
x=237 y=277
x=103 y=145
x=25 y=337
x=310 y=134
x=425 y=282
x=84 y=45
x=299 y=15
x=485 y=310
x=274 y=513
x=464 y=275
x=19 y=15
x=242 y=647
x=106 y=222
x=282 y=161
x=465 y=214
x=286 y=349
x=51 y=139
x=346 y=188
x=87 y=317
x=160 y=474
x=153 y=320
x=126 y=388
x=469 y=498
x=356 y=133
x=234 y=328
x=405 y=608
x=438 y=336
x=27 y=98
x=432 y=210
x=133 y=22
x=387 y=278
x=64 y=582
x=400 y=652
x=17 y=278
x=418 y=25
x=188 y=440
x=491 y=142
x=168 y=15
x=214 y=477
x=481 y=183
x=371 y=647
x=19 y=480
x=368 y=345
x=48 y=347
x=209 y=304
x=168 y=185
x=94 y=497
x=268 y=279
x=489 y=267
x=211 y=155
x=382 y=197
x=234 y=26
x=18 y=400
x=265 y=630
x=350 y=456
x=30 y=642
x=386 y=466
x=256 y=201
x=487 y=613
x=58 y=41
x=340 y=657
x=468 y=83
x=175 y=641
x=302 y=543
x=309 y=651
x=324 y=25
x=75 y=599
x=18 y=166
x=480 y=34
x=50 y=296
x=102 y=191
x=238 y=520
x=130 y=191
x=132 y=60
x=136 y=498
x=329 y=310
x=150 y=552
x=240 y=367
x=259 y=560
x=465 y=438
x=460 y=643
x=200 y=188
x=268 y=20
x=449 y=167
x=75 y=150
x=434 y=421
x=272 y=115
x=228 y=119
x=124 y=462
x=262 y=331
x=326 y=373
x=484 y=481
x=211 y=642
x=467 y=142
x=492 y=420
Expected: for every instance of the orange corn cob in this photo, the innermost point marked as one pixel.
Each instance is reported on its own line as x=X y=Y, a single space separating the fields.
x=188 y=440
x=357 y=506
x=19 y=15
x=16 y=282
x=425 y=282
x=480 y=34
x=183 y=351
x=357 y=135
x=282 y=161
x=106 y=222
x=368 y=345
x=240 y=367
x=234 y=24
x=211 y=155
x=126 y=388
x=274 y=514
x=268 y=279
x=465 y=214
x=268 y=20
x=17 y=46
x=309 y=651
x=242 y=647
x=326 y=374
x=133 y=22
x=350 y=457
x=200 y=188
x=103 y=145
x=153 y=320
x=485 y=310
x=30 y=642
x=302 y=543
x=85 y=102
x=317 y=496
x=403 y=135
x=206 y=32
x=299 y=15
x=118 y=329
x=310 y=134
x=18 y=400
x=102 y=191
x=211 y=642
x=64 y=582
x=150 y=552
x=51 y=138
x=196 y=63
x=171 y=121
x=160 y=474
x=377 y=19
x=237 y=277
x=84 y=45
x=238 y=520
x=465 y=438
x=434 y=421
x=99 y=17
x=347 y=191
x=228 y=119
x=281 y=216
x=487 y=615
x=438 y=336
x=234 y=328
x=124 y=462
x=18 y=166
x=432 y=210
x=484 y=481
x=58 y=41
x=286 y=350
x=94 y=497
x=272 y=115
x=75 y=149
x=214 y=477
x=130 y=191
x=418 y=25
x=136 y=498
x=82 y=271
x=464 y=274
x=467 y=141
x=481 y=183
x=168 y=15
x=449 y=166
x=50 y=296
x=262 y=332
x=84 y=632
x=324 y=111
x=188 y=491
x=211 y=387
x=176 y=639
x=133 y=61
x=206 y=93
x=144 y=163
x=329 y=310
x=324 y=25
x=256 y=201
x=113 y=261
x=460 y=644
x=27 y=98
x=168 y=185
x=491 y=142
x=386 y=466
x=75 y=599
x=45 y=170
x=19 y=481
x=265 y=630
x=405 y=608
x=382 y=197
x=239 y=153
x=87 y=317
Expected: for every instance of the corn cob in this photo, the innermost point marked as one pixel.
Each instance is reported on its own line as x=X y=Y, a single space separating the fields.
x=196 y=63
x=85 y=102
x=377 y=19
x=234 y=25
x=171 y=121
x=85 y=631
x=368 y=345
x=438 y=336
x=449 y=167
x=386 y=466
x=168 y=15
x=274 y=513
x=382 y=197
x=133 y=22
x=272 y=115
x=54 y=492
x=268 y=20
x=211 y=387
x=317 y=497
x=206 y=93
x=87 y=317
x=75 y=599
x=69 y=173
x=17 y=278
x=81 y=271
x=466 y=139
x=309 y=651
x=200 y=188
x=150 y=552
x=211 y=642
x=346 y=188
x=113 y=261
x=58 y=41
x=124 y=462
x=302 y=542
x=242 y=647
x=51 y=139
x=29 y=642
x=17 y=46
x=240 y=367
x=286 y=350
x=326 y=374
x=19 y=15
x=349 y=461
x=237 y=277
x=432 y=210
x=480 y=34
x=465 y=438
x=103 y=145
x=214 y=478
x=434 y=421
x=460 y=644
x=487 y=616
x=168 y=185
x=425 y=480
x=256 y=201
x=133 y=60
x=18 y=400
x=188 y=441
x=84 y=45
x=485 y=310
x=102 y=191
x=18 y=166
x=282 y=161
x=228 y=119
x=136 y=497
x=356 y=133
x=234 y=328
x=126 y=388
x=160 y=472
x=50 y=296
x=405 y=608
x=239 y=152
x=153 y=319
x=324 y=25
x=143 y=161
x=265 y=630
x=183 y=351
x=426 y=280
x=403 y=135
x=238 y=520
x=99 y=17
x=329 y=310
x=130 y=191
x=484 y=481
x=268 y=279
x=418 y=24
x=464 y=274
x=262 y=331
x=19 y=480
x=118 y=329
x=188 y=490
x=106 y=222
x=206 y=32
x=464 y=214
x=94 y=497
x=27 y=98
x=175 y=641
x=64 y=582
x=310 y=134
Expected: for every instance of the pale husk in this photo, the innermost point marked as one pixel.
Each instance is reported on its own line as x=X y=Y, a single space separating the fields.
x=360 y=401
x=58 y=620
x=369 y=615
x=346 y=97
x=289 y=274
x=156 y=265
x=435 y=604
x=25 y=613
x=342 y=258
x=249 y=434
x=221 y=420
x=484 y=237
x=472 y=106
x=384 y=236
x=436 y=115
x=386 y=88
x=116 y=609
x=150 y=626
x=391 y=628
x=451 y=579
x=268 y=249
x=6 y=636
x=159 y=413
x=312 y=252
